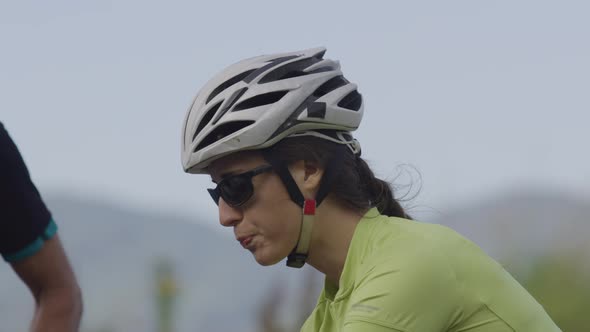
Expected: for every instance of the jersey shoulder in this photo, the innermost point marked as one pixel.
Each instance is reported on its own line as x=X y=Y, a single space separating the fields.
x=24 y=218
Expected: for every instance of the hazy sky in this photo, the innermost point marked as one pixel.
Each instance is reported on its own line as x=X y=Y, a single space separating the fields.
x=480 y=97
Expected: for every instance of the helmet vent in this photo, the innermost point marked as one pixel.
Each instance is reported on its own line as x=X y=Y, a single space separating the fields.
x=222 y=131
x=229 y=83
x=320 y=70
x=290 y=70
x=352 y=101
x=330 y=85
x=266 y=67
x=207 y=118
x=260 y=100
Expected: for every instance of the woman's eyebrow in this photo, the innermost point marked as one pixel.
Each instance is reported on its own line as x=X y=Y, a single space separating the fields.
x=228 y=173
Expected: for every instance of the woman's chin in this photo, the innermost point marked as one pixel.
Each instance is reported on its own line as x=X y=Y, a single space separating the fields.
x=266 y=260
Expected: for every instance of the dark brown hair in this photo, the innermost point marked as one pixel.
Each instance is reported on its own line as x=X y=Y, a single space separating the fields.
x=354 y=185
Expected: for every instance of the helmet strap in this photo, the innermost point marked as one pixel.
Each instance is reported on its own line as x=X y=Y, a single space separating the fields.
x=299 y=254
x=297 y=257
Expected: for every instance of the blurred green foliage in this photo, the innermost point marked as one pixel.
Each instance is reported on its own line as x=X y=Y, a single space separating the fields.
x=166 y=291
x=561 y=283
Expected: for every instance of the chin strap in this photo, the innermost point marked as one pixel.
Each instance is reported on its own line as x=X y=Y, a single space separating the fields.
x=298 y=256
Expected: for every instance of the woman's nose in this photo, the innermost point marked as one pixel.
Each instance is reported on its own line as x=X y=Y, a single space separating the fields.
x=228 y=216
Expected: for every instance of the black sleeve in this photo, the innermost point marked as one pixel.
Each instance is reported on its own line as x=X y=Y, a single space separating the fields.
x=24 y=218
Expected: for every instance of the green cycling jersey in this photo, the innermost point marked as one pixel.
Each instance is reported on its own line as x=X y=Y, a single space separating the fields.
x=417 y=277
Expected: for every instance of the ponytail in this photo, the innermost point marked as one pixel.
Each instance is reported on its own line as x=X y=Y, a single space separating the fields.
x=379 y=192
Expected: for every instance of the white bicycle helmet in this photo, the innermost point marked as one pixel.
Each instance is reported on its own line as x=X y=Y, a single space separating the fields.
x=258 y=101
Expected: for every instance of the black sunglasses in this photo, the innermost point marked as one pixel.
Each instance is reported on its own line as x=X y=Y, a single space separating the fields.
x=237 y=189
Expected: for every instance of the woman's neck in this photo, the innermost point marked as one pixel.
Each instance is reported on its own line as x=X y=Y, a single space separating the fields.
x=331 y=237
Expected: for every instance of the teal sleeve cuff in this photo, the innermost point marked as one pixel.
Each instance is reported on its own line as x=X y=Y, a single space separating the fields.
x=50 y=230
x=35 y=246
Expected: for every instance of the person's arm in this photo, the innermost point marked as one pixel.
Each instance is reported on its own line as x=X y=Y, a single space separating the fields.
x=50 y=278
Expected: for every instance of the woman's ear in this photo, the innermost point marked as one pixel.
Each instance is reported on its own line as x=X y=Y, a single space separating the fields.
x=307 y=175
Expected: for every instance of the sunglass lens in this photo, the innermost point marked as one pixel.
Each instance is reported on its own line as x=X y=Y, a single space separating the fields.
x=236 y=190
x=214 y=194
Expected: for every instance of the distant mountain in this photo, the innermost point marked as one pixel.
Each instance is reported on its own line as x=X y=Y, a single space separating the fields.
x=114 y=251
x=521 y=225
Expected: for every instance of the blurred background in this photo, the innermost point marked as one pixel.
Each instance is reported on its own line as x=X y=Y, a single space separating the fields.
x=477 y=112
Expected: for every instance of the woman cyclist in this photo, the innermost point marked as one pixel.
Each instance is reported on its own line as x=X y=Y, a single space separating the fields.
x=274 y=134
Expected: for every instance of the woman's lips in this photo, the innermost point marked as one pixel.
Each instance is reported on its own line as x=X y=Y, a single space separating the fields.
x=245 y=241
